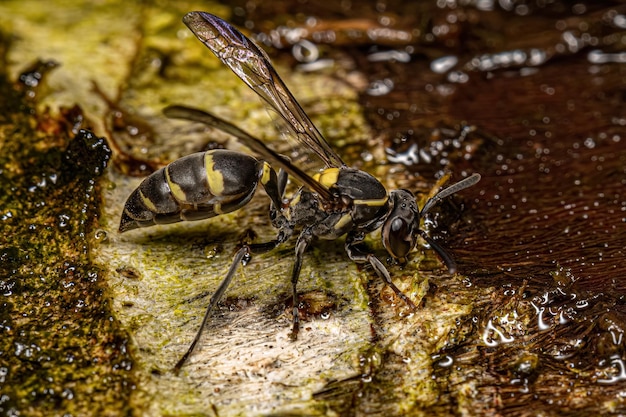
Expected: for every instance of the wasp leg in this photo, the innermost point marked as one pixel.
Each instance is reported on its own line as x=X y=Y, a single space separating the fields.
x=241 y=254
x=360 y=256
x=305 y=238
x=272 y=184
x=282 y=181
x=279 y=221
x=444 y=254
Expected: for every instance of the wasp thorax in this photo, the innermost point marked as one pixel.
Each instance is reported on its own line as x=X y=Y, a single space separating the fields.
x=399 y=230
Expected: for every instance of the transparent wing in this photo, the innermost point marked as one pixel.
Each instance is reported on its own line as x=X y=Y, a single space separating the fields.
x=196 y=115
x=252 y=65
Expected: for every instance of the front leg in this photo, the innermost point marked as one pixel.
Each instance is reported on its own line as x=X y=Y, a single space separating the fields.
x=445 y=256
x=359 y=254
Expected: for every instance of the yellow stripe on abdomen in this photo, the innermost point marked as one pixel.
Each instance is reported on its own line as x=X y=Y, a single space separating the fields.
x=177 y=192
x=214 y=177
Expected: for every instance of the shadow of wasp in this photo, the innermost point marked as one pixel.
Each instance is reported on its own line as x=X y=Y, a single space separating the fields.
x=334 y=202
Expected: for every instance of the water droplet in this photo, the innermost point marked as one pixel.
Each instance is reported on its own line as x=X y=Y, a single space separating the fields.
x=380 y=87
x=445 y=362
x=443 y=64
x=305 y=51
x=492 y=336
x=393 y=55
x=617 y=363
x=64 y=220
x=408 y=157
x=101 y=235
x=67 y=394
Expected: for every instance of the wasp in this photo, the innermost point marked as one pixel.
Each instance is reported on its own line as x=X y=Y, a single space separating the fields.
x=334 y=202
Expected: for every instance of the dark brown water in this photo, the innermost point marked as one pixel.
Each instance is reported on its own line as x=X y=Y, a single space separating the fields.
x=543 y=86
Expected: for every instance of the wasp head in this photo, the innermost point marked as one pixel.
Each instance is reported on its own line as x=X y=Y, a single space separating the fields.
x=400 y=229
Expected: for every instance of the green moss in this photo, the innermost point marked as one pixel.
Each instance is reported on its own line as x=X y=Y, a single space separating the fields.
x=61 y=350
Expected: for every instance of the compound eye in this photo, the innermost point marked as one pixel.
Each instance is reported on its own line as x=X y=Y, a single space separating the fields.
x=398 y=237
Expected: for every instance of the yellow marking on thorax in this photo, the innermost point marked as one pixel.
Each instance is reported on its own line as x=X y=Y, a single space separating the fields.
x=344 y=220
x=213 y=176
x=372 y=203
x=292 y=203
x=327 y=177
x=295 y=200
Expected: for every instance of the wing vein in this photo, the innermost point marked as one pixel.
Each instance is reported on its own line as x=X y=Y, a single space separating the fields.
x=253 y=67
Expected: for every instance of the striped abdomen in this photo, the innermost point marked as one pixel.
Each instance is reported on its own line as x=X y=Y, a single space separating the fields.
x=194 y=187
